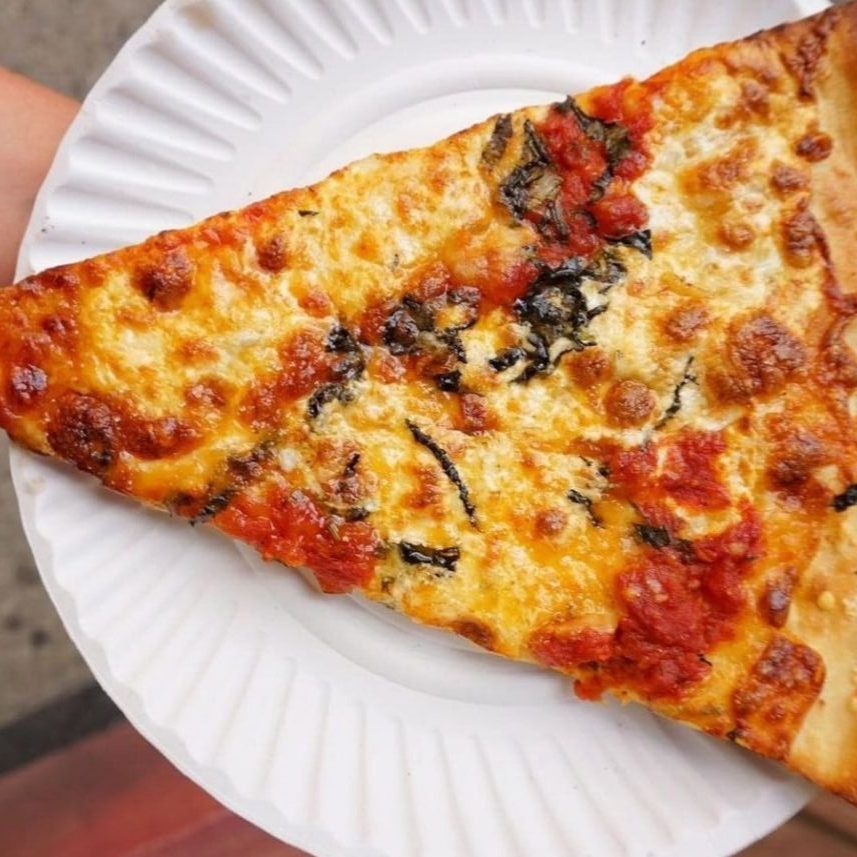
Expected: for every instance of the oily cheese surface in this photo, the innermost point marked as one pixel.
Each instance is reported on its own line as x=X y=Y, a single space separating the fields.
x=575 y=383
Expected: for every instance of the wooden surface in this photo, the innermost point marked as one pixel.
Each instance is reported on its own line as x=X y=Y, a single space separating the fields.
x=112 y=795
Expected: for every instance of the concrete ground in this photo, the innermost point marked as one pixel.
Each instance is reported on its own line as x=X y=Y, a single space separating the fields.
x=65 y=44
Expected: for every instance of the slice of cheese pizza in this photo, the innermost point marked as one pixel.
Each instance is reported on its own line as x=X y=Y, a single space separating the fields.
x=577 y=383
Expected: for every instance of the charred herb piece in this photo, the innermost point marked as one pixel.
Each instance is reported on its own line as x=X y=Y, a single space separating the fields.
x=325 y=394
x=415 y=554
x=352 y=365
x=411 y=328
x=675 y=405
x=351 y=465
x=500 y=136
x=447 y=465
x=240 y=470
x=215 y=505
x=448 y=382
x=586 y=502
x=356 y=513
x=656 y=537
x=534 y=182
x=846 y=499
x=613 y=135
x=641 y=240
x=507 y=358
x=307 y=212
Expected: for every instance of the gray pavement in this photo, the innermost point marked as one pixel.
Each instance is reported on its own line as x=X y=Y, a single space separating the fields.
x=65 y=44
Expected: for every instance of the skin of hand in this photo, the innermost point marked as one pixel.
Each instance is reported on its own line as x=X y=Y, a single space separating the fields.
x=34 y=120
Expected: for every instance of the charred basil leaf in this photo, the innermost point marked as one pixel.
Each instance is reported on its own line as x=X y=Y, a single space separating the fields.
x=675 y=405
x=587 y=503
x=656 y=537
x=307 y=212
x=447 y=465
x=240 y=470
x=415 y=554
x=215 y=505
x=613 y=135
x=641 y=240
x=606 y=268
x=352 y=365
x=449 y=382
x=500 y=136
x=325 y=394
x=507 y=358
x=351 y=465
x=534 y=182
x=846 y=499
x=411 y=328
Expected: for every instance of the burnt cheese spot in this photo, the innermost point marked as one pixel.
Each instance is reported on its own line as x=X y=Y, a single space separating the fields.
x=755 y=98
x=763 y=354
x=26 y=385
x=629 y=403
x=589 y=367
x=166 y=283
x=804 y=59
x=794 y=458
x=787 y=180
x=736 y=234
x=272 y=254
x=84 y=431
x=770 y=704
x=776 y=598
x=475 y=417
x=814 y=146
x=685 y=321
x=157 y=438
x=722 y=173
x=475 y=631
x=800 y=233
x=550 y=522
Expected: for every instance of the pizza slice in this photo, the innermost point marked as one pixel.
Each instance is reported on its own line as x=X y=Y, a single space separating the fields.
x=577 y=383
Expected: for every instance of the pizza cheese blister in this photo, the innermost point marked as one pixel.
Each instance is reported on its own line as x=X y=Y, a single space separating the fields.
x=577 y=383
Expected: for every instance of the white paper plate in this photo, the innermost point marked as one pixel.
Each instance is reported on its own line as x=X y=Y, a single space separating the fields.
x=328 y=723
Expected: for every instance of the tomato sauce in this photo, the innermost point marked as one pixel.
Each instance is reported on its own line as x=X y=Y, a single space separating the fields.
x=678 y=602
x=304 y=364
x=291 y=527
x=690 y=474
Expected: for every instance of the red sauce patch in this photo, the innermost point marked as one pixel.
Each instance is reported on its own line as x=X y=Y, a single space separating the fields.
x=563 y=647
x=690 y=474
x=619 y=215
x=678 y=603
x=304 y=364
x=290 y=527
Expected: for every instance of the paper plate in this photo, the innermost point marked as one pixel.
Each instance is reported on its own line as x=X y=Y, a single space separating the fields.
x=328 y=723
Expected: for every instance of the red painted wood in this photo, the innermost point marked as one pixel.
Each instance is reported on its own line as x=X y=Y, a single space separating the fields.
x=113 y=795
